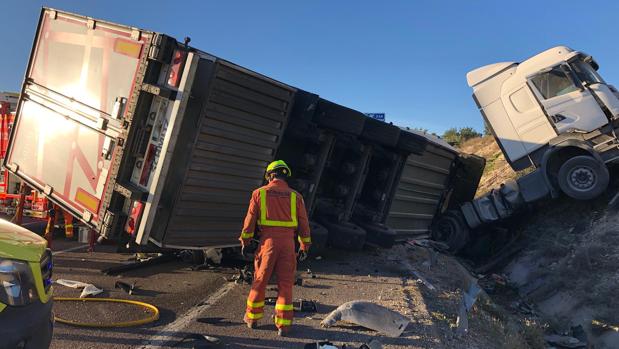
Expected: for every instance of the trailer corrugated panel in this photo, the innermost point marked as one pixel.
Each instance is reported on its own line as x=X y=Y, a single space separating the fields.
x=243 y=119
x=420 y=191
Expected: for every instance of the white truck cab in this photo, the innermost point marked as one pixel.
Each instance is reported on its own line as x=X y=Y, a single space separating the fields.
x=549 y=109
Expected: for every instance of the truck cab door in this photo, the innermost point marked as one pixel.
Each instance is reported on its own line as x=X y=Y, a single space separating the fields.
x=528 y=119
x=569 y=107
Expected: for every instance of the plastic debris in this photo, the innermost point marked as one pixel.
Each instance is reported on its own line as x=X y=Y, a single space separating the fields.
x=129 y=288
x=320 y=345
x=213 y=255
x=369 y=315
x=87 y=289
x=468 y=300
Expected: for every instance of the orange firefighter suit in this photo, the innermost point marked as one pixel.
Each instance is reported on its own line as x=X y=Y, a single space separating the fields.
x=275 y=213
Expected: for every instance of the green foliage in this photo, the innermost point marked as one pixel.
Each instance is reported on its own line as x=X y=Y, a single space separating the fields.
x=467 y=133
x=456 y=136
x=452 y=136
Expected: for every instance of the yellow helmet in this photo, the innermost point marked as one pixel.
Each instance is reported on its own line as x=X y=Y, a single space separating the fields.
x=278 y=164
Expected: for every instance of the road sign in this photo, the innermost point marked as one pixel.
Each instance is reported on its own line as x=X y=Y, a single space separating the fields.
x=377 y=116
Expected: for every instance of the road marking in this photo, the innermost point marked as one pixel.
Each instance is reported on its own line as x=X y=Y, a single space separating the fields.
x=69 y=249
x=169 y=334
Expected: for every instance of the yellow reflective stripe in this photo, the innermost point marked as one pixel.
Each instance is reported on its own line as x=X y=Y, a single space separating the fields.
x=284 y=307
x=280 y=321
x=273 y=223
x=255 y=304
x=306 y=240
x=254 y=316
x=247 y=235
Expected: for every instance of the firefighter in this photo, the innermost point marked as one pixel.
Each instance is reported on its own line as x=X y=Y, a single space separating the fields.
x=275 y=214
x=68 y=224
x=53 y=217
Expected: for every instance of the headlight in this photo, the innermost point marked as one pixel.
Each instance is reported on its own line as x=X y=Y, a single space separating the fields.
x=17 y=286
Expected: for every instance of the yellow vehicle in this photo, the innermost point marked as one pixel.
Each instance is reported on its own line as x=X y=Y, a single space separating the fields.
x=26 y=319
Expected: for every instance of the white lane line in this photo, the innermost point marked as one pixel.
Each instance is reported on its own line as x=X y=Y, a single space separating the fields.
x=69 y=249
x=169 y=334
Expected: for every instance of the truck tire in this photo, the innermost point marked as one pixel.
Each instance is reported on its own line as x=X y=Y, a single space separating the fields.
x=320 y=237
x=379 y=234
x=345 y=235
x=451 y=229
x=583 y=177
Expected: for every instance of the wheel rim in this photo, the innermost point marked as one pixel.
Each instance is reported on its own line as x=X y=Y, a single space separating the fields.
x=581 y=178
x=445 y=229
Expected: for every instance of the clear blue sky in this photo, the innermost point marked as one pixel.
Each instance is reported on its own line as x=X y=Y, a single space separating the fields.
x=405 y=58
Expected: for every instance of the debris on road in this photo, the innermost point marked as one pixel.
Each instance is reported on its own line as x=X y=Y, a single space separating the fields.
x=199 y=341
x=564 y=341
x=369 y=315
x=162 y=258
x=373 y=344
x=320 y=345
x=305 y=306
x=431 y=244
x=87 y=289
x=469 y=297
x=245 y=275
x=129 y=288
x=423 y=280
x=604 y=326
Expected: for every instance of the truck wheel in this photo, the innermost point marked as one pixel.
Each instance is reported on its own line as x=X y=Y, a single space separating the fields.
x=583 y=177
x=451 y=229
x=379 y=234
x=345 y=235
x=320 y=236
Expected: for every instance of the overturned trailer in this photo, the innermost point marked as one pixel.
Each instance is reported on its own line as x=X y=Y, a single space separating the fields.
x=137 y=134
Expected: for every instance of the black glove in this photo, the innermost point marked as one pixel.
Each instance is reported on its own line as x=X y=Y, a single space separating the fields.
x=302 y=255
x=243 y=252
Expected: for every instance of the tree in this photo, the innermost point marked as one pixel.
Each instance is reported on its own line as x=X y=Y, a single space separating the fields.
x=467 y=133
x=452 y=136
x=456 y=136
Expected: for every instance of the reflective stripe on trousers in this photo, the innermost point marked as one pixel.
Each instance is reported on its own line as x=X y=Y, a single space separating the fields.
x=274 y=255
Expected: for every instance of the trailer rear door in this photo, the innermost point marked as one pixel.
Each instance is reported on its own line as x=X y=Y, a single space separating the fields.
x=79 y=86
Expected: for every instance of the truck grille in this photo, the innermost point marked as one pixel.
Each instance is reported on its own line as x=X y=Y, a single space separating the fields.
x=46 y=269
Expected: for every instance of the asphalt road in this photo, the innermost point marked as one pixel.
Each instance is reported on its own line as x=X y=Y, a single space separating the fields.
x=205 y=303
x=172 y=287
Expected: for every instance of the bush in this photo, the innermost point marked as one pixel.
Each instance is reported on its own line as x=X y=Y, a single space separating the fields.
x=456 y=136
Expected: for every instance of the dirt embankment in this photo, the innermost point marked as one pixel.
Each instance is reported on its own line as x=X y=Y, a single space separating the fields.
x=497 y=169
x=567 y=270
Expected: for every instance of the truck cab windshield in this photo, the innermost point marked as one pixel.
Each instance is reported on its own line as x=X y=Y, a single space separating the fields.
x=553 y=83
x=585 y=72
